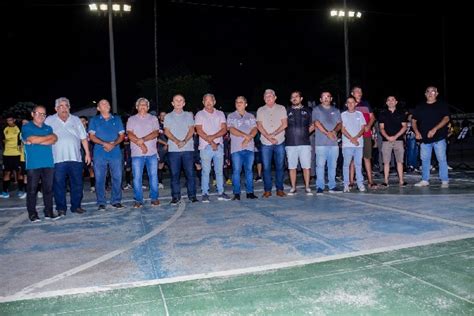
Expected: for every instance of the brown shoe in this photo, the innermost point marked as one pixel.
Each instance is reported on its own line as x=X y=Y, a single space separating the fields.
x=267 y=194
x=155 y=203
x=280 y=193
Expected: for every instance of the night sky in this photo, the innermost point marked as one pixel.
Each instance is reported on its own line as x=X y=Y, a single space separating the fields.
x=58 y=48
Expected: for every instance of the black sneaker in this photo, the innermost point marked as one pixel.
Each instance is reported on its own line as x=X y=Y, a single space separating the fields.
x=51 y=216
x=251 y=196
x=193 y=199
x=101 y=208
x=174 y=201
x=236 y=197
x=79 y=210
x=35 y=218
x=118 y=205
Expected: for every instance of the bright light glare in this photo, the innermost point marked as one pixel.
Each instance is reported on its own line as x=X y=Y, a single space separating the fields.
x=127 y=8
x=103 y=7
x=359 y=15
x=116 y=7
x=93 y=7
x=341 y=13
x=333 y=12
x=351 y=14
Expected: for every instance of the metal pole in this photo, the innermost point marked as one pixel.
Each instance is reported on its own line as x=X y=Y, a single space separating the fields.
x=346 y=50
x=112 y=59
x=156 y=63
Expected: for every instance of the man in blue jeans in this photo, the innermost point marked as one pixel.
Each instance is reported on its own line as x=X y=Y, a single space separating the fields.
x=107 y=132
x=68 y=161
x=272 y=121
x=142 y=130
x=430 y=123
x=243 y=128
x=179 y=128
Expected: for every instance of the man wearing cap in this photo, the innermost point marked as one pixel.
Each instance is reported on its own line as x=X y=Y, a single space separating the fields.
x=272 y=122
x=68 y=161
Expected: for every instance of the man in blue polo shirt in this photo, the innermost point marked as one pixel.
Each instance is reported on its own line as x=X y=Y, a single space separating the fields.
x=106 y=130
x=39 y=139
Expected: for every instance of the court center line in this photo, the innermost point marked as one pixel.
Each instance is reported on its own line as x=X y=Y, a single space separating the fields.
x=403 y=211
x=228 y=273
x=103 y=258
x=164 y=300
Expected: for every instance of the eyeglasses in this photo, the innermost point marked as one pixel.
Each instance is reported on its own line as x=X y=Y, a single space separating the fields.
x=40 y=114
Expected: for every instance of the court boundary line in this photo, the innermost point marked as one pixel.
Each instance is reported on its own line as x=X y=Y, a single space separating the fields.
x=22 y=295
x=105 y=257
x=405 y=212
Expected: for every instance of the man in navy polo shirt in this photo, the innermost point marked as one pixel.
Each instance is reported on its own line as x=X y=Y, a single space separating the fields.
x=106 y=130
x=39 y=139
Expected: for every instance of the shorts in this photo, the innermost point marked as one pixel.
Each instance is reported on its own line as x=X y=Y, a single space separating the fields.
x=11 y=163
x=367 y=154
x=299 y=153
x=396 y=147
x=257 y=157
x=22 y=167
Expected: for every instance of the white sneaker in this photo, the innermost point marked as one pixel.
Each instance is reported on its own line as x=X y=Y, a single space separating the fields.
x=346 y=189
x=444 y=184
x=362 y=188
x=308 y=191
x=92 y=189
x=40 y=195
x=161 y=186
x=450 y=168
x=292 y=191
x=422 y=183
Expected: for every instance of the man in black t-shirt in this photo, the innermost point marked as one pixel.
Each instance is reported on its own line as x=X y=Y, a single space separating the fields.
x=393 y=125
x=298 y=145
x=429 y=122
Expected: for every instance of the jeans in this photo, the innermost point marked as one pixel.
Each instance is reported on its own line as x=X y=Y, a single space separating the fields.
x=278 y=154
x=207 y=157
x=327 y=154
x=47 y=177
x=440 y=152
x=349 y=153
x=138 y=164
x=100 y=170
x=182 y=160
x=63 y=170
x=412 y=152
x=242 y=158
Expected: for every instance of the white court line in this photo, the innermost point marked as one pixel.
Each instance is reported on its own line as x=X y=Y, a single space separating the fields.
x=227 y=273
x=403 y=211
x=105 y=257
x=164 y=301
x=425 y=282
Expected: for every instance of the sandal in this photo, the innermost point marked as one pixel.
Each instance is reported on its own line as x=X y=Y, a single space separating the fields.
x=373 y=186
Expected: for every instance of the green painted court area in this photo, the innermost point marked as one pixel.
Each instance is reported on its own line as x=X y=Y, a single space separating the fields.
x=437 y=279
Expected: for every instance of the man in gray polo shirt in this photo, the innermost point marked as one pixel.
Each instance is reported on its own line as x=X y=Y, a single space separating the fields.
x=243 y=128
x=179 y=128
x=327 y=120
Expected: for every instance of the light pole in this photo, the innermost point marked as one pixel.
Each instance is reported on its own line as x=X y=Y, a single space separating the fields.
x=345 y=14
x=111 y=9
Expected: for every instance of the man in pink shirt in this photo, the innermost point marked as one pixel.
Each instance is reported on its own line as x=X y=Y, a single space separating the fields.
x=211 y=126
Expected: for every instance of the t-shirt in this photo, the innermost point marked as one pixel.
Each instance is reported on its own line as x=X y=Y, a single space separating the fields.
x=392 y=122
x=12 y=136
x=244 y=123
x=178 y=125
x=142 y=126
x=365 y=108
x=428 y=116
x=329 y=117
x=352 y=122
x=211 y=124
x=271 y=117
x=299 y=121
x=37 y=156
x=70 y=134
x=108 y=131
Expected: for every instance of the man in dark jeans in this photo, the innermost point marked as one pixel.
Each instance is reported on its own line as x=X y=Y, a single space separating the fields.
x=39 y=138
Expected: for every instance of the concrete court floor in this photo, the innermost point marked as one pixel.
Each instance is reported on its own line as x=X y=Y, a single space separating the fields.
x=248 y=257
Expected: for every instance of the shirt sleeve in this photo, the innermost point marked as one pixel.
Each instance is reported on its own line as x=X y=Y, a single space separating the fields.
x=190 y=120
x=120 y=125
x=284 y=114
x=259 y=115
x=81 y=129
x=92 y=126
x=338 y=116
x=156 y=124
x=230 y=121
x=253 y=121
x=199 y=118
x=25 y=132
x=222 y=117
x=315 y=115
x=130 y=124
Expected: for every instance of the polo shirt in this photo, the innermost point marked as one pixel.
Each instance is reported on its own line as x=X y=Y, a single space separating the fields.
x=270 y=118
x=108 y=131
x=142 y=126
x=428 y=116
x=392 y=122
x=70 y=134
x=329 y=117
x=244 y=123
x=37 y=156
x=211 y=124
x=179 y=124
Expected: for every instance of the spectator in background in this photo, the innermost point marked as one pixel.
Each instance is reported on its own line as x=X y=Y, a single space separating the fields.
x=162 y=150
x=88 y=169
